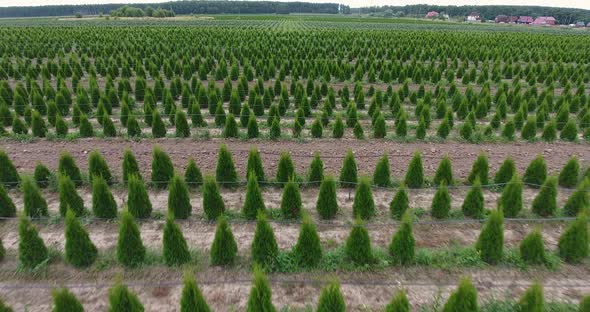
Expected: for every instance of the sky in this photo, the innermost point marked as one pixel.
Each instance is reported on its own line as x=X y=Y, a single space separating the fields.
x=583 y=4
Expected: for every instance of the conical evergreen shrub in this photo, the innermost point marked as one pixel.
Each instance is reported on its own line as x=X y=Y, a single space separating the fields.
x=348 y=173
x=86 y=128
x=415 y=176
x=358 y=131
x=505 y=173
x=550 y=131
x=162 y=168
x=175 y=249
x=65 y=301
x=399 y=303
x=38 y=126
x=536 y=172
x=212 y=201
x=42 y=175
x=403 y=244
x=67 y=166
x=358 y=245
x=108 y=127
x=158 y=126
x=254 y=165
x=441 y=203
x=532 y=300
x=182 y=128
x=308 y=249
x=573 y=243
x=7 y=207
x=253 y=131
x=231 y=127
x=570 y=131
x=191 y=299
x=490 y=243
x=316 y=128
x=338 y=128
x=399 y=204
x=69 y=197
x=34 y=204
x=568 y=176
x=464 y=299
x=363 y=206
x=316 y=170
x=192 y=175
x=579 y=199
x=479 y=170
x=254 y=201
x=8 y=174
x=80 y=251
x=130 y=166
x=121 y=299
x=138 y=200
x=327 y=203
x=532 y=248
x=264 y=245
x=285 y=168
x=382 y=175
x=31 y=249
x=275 y=129
x=224 y=248
x=444 y=172
x=511 y=198
x=179 y=203
x=379 y=128
x=545 y=203
x=97 y=166
x=291 y=201
x=226 y=171
x=260 y=299
x=473 y=204
x=331 y=299
x=130 y=249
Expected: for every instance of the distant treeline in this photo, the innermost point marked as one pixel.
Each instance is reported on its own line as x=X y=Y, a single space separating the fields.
x=183 y=7
x=487 y=12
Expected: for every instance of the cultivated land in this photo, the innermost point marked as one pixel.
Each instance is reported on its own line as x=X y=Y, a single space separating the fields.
x=297 y=86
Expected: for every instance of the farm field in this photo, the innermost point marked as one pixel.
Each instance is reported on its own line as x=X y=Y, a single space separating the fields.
x=330 y=160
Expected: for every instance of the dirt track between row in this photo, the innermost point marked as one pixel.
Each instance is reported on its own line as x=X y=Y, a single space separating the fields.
x=26 y=154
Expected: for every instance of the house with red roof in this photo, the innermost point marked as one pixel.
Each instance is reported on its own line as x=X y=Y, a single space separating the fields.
x=545 y=20
x=525 y=20
x=432 y=14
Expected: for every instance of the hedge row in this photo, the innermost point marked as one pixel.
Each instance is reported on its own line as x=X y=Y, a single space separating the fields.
x=307 y=252
x=331 y=299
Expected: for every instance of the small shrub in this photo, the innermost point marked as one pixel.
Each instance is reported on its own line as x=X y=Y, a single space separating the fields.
x=331 y=299
x=7 y=207
x=192 y=175
x=253 y=131
x=532 y=300
x=264 y=244
x=338 y=129
x=508 y=130
x=67 y=166
x=399 y=204
x=363 y=206
x=379 y=128
x=286 y=169
x=573 y=243
x=399 y=303
x=415 y=176
x=464 y=299
x=403 y=244
x=65 y=301
x=162 y=168
x=108 y=127
x=570 y=131
x=86 y=128
x=260 y=294
x=316 y=128
x=490 y=243
x=473 y=205
x=231 y=127
x=550 y=131
x=69 y=199
x=254 y=165
x=8 y=174
x=327 y=203
x=175 y=249
x=179 y=204
x=275 y=129
x=34 y=204
x=444 y=172
x=308 y=249
x=441 y=203
x=182 y=128
x=212 y=201
x=224 y=248
x=97 y=166
x=42 y=175
x=568 y=176
x=511 y=199
x=138 y=201
x=532 y=248
x=130 y=249
x=382 y=175
x=358 y=245
x=191 y=299
x=529 y=130
x=578 y=200
x=226 y=171
x=479 y=170
x=130 y=166
x=358 y=131
x=316 y=170
x=121 y=299
x=80 y=251
x=348 y=173
x=536 y=172
x=31 y=249
x=38 y=125
x=103 y=203
x=158 y=127
x=254 y=201
x=545 y=203
x=506 y=171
